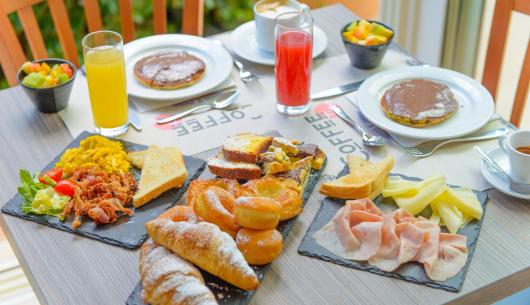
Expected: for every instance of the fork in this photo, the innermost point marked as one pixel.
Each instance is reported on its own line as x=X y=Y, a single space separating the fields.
x=245 y=75
x=428 y=148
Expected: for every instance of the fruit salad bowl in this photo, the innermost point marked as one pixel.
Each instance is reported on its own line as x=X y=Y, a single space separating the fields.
x=366 y=42
x=47 y=82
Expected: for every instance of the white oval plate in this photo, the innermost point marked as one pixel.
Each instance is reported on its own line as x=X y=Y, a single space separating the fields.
x=243 y=43
x=494 y=178
x=217 y=59
x=475 y=104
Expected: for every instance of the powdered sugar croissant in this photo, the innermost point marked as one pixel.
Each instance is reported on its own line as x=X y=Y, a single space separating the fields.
x=206 y=246
x=168 y=279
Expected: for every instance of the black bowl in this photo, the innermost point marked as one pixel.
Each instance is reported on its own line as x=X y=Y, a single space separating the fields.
x=366 y=57
x=51 y=99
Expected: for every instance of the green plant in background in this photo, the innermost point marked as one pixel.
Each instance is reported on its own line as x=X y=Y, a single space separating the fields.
x=219 y=16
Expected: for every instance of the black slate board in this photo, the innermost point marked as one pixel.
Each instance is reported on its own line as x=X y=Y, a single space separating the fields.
x=225 y=292
x=412 y=272
x=127 y=232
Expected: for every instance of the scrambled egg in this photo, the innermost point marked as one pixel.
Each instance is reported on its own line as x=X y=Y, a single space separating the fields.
x=98 y=151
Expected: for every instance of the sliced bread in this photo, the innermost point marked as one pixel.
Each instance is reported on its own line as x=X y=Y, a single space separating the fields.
x=136 y=158
x=163 y=169
x=245 y=147
x=221 y=167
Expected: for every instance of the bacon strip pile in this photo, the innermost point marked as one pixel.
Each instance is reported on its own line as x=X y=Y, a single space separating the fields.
x=360 y=231
x=100 y=195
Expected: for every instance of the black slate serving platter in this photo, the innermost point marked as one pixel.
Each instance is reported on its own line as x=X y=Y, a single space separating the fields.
x=412 y=272
x=127 y=232
x=225 y=292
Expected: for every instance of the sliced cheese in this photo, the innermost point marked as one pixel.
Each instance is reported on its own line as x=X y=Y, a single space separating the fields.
x=451 y=215
x=416 y=203
x=465 y=199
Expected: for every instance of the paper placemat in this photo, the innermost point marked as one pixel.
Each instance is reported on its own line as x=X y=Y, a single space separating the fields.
x=257 y=113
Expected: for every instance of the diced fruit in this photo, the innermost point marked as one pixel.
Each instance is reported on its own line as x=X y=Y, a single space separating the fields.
x=367 y=33
x=63 y=78
x=34 y=80
x=44 y=67
x=44 y=76
x=26 y=67
x=66 y=68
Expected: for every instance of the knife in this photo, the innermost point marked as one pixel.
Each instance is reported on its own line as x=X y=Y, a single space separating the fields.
x=336 y=91
x=134 y=119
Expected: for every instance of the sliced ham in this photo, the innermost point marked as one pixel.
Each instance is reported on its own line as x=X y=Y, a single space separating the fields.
x=360 y=231
x=452 y=257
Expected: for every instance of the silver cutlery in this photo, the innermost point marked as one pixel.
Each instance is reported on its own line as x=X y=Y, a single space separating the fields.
x=245 y=75
x=428 y=148
x=368 y=139
x=134 y=119
x=224 y=100
x=347 y=88
x=520 y=188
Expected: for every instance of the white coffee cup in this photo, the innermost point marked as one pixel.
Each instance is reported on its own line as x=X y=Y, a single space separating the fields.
x=264 y=21
x=519 y=162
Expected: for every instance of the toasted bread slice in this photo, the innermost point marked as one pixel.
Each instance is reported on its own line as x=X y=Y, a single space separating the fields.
x=221 y=167
x=162 y=170
x=245 y=147
x=347 y=187
x=365 y=180
x=136 y=158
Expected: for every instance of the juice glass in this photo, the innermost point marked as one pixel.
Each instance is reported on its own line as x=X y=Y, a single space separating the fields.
x=105 y=72
x=294 y=47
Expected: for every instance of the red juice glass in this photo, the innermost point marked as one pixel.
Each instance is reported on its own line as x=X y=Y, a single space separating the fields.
x=294 y=49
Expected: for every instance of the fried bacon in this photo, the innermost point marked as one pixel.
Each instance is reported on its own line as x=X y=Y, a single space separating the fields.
x=101 y=196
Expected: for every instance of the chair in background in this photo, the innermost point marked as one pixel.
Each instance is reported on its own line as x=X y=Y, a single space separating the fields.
x=494 y=56
x=192 y=17
x=12 y=54
x=366 y=9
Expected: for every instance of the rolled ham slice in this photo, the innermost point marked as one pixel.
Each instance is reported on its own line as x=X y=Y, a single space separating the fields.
x=360 y=231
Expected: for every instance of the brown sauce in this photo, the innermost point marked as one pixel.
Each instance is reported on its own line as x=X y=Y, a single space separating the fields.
x=419 y=99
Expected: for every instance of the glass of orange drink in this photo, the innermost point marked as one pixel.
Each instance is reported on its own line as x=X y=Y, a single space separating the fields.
x=105 y=72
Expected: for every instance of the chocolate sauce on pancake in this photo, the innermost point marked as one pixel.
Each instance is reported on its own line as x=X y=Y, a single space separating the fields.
x=419 y=99
x=168 y=67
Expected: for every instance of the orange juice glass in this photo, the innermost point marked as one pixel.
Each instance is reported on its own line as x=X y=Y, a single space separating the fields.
x=105 y=72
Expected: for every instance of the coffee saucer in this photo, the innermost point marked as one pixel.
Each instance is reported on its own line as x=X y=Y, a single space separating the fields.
x=243 y=43
x=495 y=178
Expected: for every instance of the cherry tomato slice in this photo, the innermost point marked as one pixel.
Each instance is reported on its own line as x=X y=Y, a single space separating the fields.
x=65 y=187
x=55 y=174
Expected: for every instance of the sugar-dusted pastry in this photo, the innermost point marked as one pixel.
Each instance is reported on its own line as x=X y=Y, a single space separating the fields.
x=216 y=205
x=180 y=213
x=259 y=213
x=206 y=246
x=168 y=279
x=259 y=247
x=198 y=186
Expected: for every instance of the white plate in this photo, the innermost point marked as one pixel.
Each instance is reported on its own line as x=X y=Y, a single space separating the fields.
x=474 y=101
x=496 y=179
x=217 y=59
x=243 y=43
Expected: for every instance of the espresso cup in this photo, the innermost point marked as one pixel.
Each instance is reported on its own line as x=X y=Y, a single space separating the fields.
x=264 y=21
x=519 y=162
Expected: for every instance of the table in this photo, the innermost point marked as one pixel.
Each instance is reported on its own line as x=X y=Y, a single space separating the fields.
x=65 y=269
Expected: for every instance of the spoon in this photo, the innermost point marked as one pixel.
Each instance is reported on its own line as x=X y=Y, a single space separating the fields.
x=222 y=101
x=368 y=139
x=520 y=188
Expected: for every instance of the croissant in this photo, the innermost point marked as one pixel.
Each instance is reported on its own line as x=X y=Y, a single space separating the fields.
x=167 y=279
x=206 y=246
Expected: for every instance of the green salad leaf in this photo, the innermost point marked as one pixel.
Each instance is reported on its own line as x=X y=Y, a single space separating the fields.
x=40 y=198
